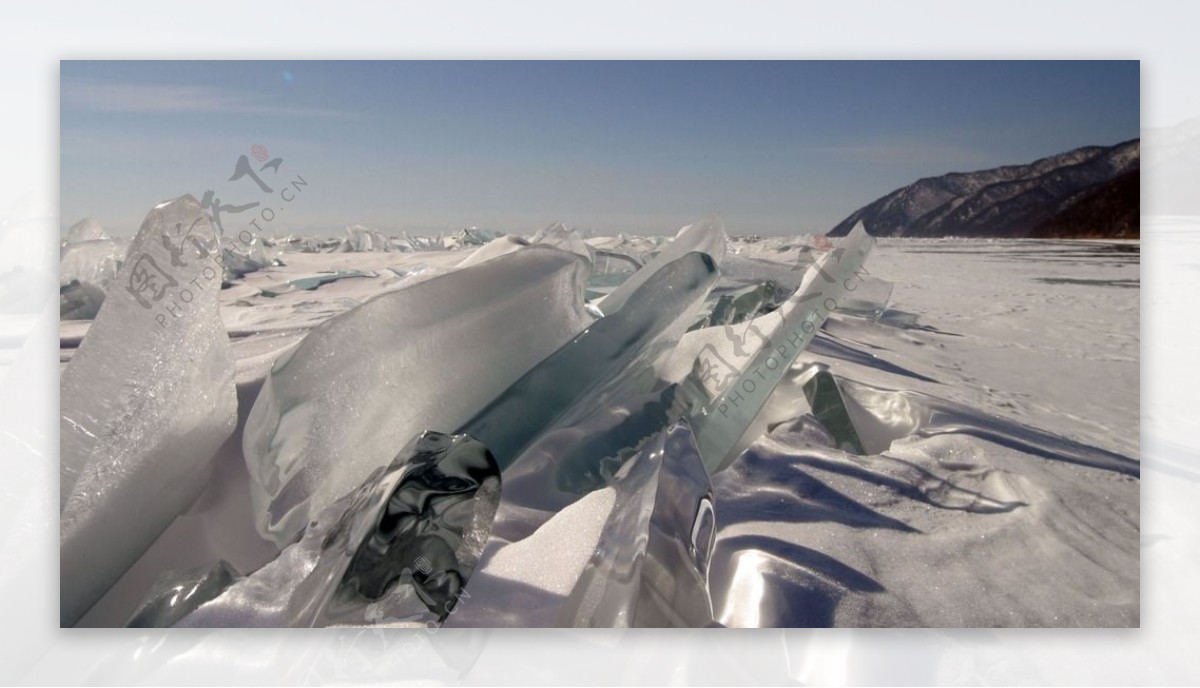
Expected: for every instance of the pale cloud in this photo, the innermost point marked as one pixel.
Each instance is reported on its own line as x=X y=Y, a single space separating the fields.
x=109 y=96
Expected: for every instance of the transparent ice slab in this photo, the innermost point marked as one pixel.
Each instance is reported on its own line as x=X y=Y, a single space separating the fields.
x=610 y=399
x=743 y=304
x=399 y=549
x=422 y=243
x=706 y=237
x=146 y=401
x=96 y=261
x=610 y=269
x=738 y=304
x=683 y=528
x=606 y=595
x=614 y=262
x=883 y=416
x=86 y=268
x=829 y=408
x=588 y=410
x=243 y=254
x=473 y=236
x=558 y=236
x=726 y=391
x=632 y=553
x=601 y=359
x=87 y=229
x=787 y=275
x=364 y=239
x=650 y=566
x=431 y=355
x=869 y=299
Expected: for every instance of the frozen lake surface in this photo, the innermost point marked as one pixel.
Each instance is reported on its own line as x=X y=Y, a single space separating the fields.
x=979 y=465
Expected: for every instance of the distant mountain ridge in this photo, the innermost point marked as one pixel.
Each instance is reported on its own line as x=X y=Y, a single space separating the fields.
x=1014 y=201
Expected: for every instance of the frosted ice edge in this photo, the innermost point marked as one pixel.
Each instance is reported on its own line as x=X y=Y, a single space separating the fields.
x=325 y=419
x=146 y=401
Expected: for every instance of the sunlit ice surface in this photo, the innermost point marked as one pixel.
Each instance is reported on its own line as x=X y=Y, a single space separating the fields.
x=954 y=443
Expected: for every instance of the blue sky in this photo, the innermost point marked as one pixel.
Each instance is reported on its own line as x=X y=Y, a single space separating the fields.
x=775 y=147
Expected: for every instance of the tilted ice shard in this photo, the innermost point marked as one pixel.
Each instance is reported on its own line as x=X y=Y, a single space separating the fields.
x=740 y=304
x=293 y=244
x=582 y=439
x=558 y=236
x=705 y=237
x=95 y=261
x=615 y=262
x=726 y=393
x=600 y=435
x=243 y=254
x=87 y=229
x=473 y=236
x=606 y=595
x=786 y=275
x=599 y=359
x=422 y=243
x=610 y=269
x=632 y=553
x=84 y=272
x=869 y=300
x=883 y=416
x=399 y=549
x=179 y=593
x=494 y=249
x=365 y=382
x=584 y=450
x=829 y=407
x=365 y=239
x=611 y=401
x=146 y=401
x=683 y=527
x=651 y=562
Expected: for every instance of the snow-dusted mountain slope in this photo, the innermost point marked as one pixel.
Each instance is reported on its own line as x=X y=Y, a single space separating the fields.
x=1004 y=202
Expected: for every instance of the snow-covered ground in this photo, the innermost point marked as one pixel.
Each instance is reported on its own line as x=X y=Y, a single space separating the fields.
x=997 y=403
x=1044 y=335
